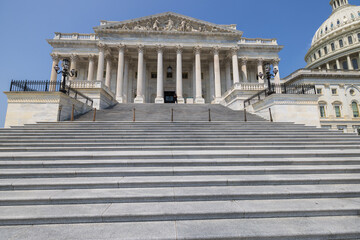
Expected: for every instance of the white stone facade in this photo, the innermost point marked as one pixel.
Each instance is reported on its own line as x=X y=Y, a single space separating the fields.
x=141 y=60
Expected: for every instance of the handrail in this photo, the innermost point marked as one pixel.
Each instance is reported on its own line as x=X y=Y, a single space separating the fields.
x=282 y=89
x=47 y=86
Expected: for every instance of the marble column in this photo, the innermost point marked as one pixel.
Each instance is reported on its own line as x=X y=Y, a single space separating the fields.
x=327 y=66
x=198 y=99
x=126 y=80
x=120 y=74
x=73 y=64
x=275 y=64
x=100 y=67
x=244 y=70
x=228 y=74
x=160 y=76
x=140 y=75
x=53 y=76
x=193 y=79
x=235 y=65
x=338 y=66
x=217 y=75
x=350 y=66
x=260 y=70
x=91 y=67
x=108 y=71
x=179 y=82
x=210 y=84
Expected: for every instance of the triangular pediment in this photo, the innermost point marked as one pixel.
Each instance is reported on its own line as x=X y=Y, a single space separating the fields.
x=168 y=22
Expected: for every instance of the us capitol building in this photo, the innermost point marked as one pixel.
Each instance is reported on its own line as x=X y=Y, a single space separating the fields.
x=149 y=59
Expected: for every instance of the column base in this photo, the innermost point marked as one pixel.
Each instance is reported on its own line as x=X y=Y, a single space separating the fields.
x=199 y=101
x=216 y=101
x=181 y=100
x=139 y=99
x=119 y=99
x=159 y=100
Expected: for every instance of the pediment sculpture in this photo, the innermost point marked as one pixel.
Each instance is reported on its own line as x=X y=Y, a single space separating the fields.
x=170 y=24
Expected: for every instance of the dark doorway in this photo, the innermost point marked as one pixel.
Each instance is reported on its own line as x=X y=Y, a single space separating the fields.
x=169 y=96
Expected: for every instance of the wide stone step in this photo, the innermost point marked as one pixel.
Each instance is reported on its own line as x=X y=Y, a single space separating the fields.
x=299 y=228
x=174 y=171
x=185 y=162
x=176 y=181
x=285 y=146
x=175 y=211
x=177 y=194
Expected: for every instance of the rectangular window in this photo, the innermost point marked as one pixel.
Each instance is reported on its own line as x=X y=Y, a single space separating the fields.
x=355 y=109
x=350 y=40
x=332 y=47
x=185 y=75
x=333 y=91
x=359 y=37
x=337 y=111
x=153 y=75
x=341 y=43
x=355 y=63
x=319 y=53
x=345 y=65
x=318 y=91
x=322 y=111
x=325 y=50
x=314 y=56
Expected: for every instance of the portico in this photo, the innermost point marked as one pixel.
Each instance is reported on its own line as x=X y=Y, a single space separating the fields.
x=141 y=59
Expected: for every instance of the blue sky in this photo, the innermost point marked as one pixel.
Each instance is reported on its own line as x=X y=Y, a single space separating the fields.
x=25 y=25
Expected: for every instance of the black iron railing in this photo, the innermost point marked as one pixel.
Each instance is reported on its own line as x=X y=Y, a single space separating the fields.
x=34 y=86
x=283 y=89
x=48 y=86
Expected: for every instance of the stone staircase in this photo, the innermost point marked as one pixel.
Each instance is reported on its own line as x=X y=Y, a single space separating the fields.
x=162 y=112
x=181 y=180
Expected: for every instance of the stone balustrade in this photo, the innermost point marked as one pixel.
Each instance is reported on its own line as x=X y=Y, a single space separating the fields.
x=75 y=36
x=257 y=41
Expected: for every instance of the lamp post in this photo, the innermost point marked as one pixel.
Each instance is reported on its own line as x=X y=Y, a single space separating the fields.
x=268 y=76
x=65 y=72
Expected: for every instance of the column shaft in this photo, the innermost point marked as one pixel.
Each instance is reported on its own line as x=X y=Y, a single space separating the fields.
x=277 y=76
x=126 y=80
x=160 y=76
x=228 y=74
x=327 y=66
x=179 y=84
x=108 y=72
x=217 y=76
x=244 y=70
x=73 y=64
x=235 y=65
x=199 y=98
x=91 y=68
x=211 y=83
x=140 y=75
x=53 y=76
x=120 y=74
x=338 y=66
x=350 y=66
x=100 y=68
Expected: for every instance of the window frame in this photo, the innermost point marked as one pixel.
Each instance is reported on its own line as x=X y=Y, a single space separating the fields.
x=355 y=110
x=337 y=113
x=322 y=111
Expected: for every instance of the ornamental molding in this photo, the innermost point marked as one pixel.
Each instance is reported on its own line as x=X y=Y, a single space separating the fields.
x=167 y=22
x=34 y=97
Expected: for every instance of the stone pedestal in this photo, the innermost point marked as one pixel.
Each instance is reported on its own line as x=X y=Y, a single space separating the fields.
x=159 y=100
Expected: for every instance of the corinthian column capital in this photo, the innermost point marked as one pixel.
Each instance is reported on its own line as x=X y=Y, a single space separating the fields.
x=275 y=61
x=260 y=61
x=121 y=47
x=55 y=56
x=197 y=49
x=102 y=46
x=234 y=51
x=74 y=57
x=244 y=61
x=141 y=48
x=159 y=48
x=179 y=49
x=215 y=50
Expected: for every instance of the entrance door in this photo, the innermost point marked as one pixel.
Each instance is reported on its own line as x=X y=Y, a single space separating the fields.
x=169 y=96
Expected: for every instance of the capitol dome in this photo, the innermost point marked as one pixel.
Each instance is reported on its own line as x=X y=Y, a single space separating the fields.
x=340 y=31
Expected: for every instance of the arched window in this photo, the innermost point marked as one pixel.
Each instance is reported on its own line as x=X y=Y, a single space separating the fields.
x=332 y=25
x=333 y=46
x=358 y=37
x=355 y=109
x=322 y=110
x=325 y=50
x=352 y=16
x=338 y=22
x=350 y=40
x=326 y=28
x=341 y=43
